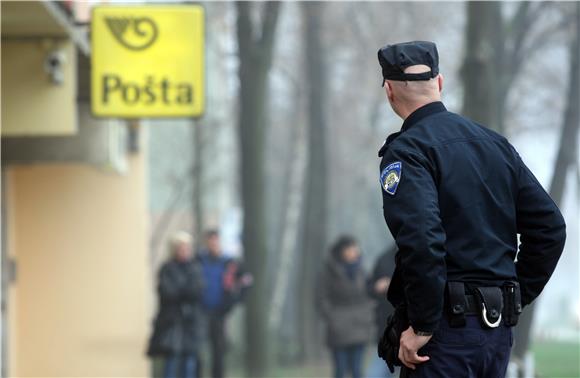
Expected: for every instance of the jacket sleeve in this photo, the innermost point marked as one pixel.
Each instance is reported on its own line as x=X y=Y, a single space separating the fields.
x=323 y=304
x=193 y=287
x=169 y=285
x=542 y=235
x=241 y=271
x=412 y=215
x=234 y=292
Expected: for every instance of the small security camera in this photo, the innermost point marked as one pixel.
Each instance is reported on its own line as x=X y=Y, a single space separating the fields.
x=54 y=66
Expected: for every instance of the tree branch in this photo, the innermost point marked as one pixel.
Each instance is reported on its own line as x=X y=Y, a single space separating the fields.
x=523 y=48
x=518 y=28
x=244 y=26
x=266 y=43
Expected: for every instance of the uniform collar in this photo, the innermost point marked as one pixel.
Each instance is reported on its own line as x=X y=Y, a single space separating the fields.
x=423 y=112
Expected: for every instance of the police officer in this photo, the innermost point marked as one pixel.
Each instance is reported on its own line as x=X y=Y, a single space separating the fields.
x=455 y=196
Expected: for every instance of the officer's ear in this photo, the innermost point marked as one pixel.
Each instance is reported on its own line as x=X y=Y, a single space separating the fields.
x=389 y=91
x=440 y=82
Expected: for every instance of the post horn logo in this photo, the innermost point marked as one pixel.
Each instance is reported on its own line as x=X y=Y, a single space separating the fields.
x=135 y=33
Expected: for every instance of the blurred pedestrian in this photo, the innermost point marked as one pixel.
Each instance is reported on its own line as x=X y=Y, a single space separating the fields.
x=176 y=333
x=345 y=307
x=377 y=287
x=225 y=285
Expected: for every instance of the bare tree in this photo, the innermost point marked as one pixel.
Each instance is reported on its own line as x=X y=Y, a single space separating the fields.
x=484 y=51
x=566 y=159
x=291 y=224
x=496 y=48
x=255 y=55
x=315 y=228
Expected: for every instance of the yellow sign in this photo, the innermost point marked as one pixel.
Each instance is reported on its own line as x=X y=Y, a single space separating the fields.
x=148 y=61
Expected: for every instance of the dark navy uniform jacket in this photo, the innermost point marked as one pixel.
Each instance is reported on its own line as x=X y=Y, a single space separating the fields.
x=455 y=196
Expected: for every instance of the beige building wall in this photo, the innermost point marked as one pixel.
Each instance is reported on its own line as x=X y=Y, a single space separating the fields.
x=80 y=305
x=26 y=84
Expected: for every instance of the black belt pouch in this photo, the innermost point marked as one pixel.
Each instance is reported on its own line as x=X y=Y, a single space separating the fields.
x=456 y=304
x=513 y=302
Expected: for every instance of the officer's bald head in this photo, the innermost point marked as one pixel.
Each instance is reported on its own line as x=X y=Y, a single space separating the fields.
x=407 y=96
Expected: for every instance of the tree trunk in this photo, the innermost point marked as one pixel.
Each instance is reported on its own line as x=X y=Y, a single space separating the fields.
x=567 y=158
x=289 y=236
x=482 y=64
x=315 y=231
x=255 y=54
x=293 y=199
x=197 y=173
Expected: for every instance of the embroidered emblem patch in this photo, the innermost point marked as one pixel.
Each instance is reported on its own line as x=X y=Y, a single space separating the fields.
x=390 y=177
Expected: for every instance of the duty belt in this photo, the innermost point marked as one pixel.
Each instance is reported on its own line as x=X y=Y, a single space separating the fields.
x=491 y=303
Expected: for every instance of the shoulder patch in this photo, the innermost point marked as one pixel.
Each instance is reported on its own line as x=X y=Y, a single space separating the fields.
x=390 y=177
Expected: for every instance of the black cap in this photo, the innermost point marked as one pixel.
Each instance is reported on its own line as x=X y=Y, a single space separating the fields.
x=395 y=58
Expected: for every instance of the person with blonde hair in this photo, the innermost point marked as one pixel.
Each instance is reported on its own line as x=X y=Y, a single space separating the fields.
x=176 y=333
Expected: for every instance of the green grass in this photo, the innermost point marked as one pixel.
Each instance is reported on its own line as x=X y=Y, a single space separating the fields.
x=553 y=360
x=557 y=359
x=312 y=370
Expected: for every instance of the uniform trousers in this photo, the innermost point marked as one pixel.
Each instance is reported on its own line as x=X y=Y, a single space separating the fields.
x=471 y=351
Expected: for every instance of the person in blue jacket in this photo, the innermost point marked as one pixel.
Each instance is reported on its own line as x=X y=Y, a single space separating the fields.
x=225 y=284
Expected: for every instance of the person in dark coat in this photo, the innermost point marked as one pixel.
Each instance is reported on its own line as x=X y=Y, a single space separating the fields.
x=377 y=286
x=176 y=333
x=345 y=307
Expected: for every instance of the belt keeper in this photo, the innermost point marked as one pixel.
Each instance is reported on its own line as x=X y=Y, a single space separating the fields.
x=457 y=304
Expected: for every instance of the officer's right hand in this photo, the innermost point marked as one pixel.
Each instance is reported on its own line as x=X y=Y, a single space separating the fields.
x=410 y=343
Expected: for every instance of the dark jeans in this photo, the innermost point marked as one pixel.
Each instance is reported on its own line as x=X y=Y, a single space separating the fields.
x=180 y=366
x=470 y=351
x=348 y=359
x=217 y=339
